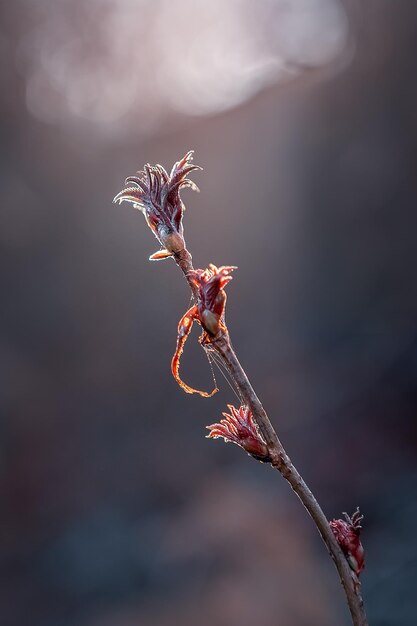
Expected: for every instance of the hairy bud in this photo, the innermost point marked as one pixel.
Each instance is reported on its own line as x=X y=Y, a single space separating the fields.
x=157 y=195
x=211 y=295
x=347 y=534
x=239 y=427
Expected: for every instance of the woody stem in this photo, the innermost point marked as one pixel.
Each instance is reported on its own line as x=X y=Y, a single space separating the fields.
x=281 y=461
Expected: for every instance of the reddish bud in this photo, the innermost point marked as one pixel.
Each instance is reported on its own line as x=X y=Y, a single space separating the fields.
x=157 y=195
x=208 y=312
x=211 y=295
x=347 y=534
x=240 y=428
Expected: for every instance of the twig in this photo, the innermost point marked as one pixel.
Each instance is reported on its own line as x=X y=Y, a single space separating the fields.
x=157 y=194
x=281 y=461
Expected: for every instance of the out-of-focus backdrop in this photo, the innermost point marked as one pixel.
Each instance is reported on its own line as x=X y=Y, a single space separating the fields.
x=115 y=509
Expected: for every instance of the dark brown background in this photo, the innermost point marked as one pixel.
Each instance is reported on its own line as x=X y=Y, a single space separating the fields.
x=115 y=510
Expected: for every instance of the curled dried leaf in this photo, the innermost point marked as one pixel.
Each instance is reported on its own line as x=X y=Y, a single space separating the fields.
x=184 y=329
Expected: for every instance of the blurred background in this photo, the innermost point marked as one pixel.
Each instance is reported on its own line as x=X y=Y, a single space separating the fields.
x=115 y=509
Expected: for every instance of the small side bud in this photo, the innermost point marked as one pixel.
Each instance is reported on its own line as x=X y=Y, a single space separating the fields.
x=347 y=534
x=239 y=427
x=160 y=255
x=211 y=295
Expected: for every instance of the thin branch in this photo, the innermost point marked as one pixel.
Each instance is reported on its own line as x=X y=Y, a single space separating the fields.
x=157 y=195
x=280 y=459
